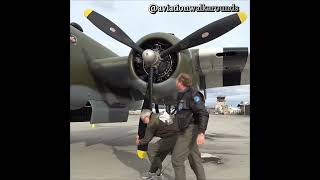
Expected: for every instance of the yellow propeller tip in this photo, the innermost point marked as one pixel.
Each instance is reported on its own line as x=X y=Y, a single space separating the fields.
x=242 y=16
x=87 y=12
x=141 y=154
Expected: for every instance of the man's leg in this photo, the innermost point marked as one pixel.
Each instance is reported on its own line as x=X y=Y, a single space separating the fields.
x=153 y=150
x=181 y=151
x=153 y=155
x=159 y=152
x=195 y=162
x=165 y=147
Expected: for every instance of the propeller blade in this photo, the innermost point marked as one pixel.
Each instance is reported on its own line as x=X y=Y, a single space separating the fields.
x=156 y=106
x=207 y=33
x=147 y=104
x=110 y=29
x=150 y=85
x=142 y=128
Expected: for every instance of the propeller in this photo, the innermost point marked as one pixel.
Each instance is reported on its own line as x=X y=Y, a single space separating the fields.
x=150 y=57
x=207 y=33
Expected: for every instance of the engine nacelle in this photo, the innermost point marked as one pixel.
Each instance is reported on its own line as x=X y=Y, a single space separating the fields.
x=100 y=112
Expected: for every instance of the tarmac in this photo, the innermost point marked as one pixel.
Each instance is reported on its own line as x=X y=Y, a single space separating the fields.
x=108 y=151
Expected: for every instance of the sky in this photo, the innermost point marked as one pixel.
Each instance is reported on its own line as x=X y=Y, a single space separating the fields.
x=134 y=18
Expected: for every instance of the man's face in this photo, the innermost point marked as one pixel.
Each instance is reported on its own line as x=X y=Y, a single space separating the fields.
x=146 y=120
x=178 y=85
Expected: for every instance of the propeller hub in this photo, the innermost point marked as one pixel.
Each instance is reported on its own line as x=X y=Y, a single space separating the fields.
x=150 y=57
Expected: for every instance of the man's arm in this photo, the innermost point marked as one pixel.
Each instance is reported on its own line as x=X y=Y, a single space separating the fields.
x=150 y=131
x=197 y=105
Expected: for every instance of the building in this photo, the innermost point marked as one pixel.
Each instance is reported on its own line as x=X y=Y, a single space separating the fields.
x=221 y=107
x=233 y=110
x=244 y=108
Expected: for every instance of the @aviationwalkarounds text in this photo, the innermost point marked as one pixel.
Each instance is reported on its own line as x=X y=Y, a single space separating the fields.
x=154 y=8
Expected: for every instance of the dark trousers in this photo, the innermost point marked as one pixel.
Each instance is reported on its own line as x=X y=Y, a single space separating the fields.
x=186 y=145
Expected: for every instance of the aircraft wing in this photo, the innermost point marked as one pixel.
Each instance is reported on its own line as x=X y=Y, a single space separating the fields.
x=218 y=67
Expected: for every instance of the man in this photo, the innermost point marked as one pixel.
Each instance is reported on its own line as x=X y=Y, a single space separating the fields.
x=165 y=127
x=166 y=130
x=192 y=119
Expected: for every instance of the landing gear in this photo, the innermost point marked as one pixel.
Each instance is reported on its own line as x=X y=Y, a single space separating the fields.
x=168 y=109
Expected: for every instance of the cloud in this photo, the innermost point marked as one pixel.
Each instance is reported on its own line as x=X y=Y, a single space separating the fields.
x=230 y=90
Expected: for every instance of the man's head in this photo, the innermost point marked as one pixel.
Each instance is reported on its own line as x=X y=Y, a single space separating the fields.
x=183 y=81
x=145 y=115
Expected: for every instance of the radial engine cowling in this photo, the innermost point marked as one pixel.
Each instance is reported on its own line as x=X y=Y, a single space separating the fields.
x=166 y=69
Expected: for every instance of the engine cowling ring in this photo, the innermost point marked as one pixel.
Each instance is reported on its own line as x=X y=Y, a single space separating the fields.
x=162 y=86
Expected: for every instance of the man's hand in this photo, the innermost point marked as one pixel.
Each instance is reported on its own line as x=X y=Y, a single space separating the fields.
x=137 y=140
x=200 y=138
